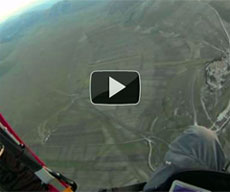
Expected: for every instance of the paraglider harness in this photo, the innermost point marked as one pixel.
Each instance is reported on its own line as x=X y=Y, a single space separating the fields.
x=55 y=181
x=209 y=180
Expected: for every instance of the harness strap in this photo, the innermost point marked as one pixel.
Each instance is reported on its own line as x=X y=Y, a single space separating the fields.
x=132 y=188
x=9 y=138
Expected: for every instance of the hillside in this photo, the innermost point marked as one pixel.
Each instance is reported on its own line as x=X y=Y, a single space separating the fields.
x=46 y=58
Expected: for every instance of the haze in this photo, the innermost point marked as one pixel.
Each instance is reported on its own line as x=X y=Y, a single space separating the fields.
x=11 y=7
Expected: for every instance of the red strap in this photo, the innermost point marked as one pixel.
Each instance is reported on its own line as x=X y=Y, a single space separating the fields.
x=4 y=122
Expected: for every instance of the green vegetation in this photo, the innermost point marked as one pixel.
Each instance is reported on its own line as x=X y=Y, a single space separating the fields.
x=44 y=84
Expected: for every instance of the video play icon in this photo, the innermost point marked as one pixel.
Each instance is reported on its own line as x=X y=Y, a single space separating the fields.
x=115 y=87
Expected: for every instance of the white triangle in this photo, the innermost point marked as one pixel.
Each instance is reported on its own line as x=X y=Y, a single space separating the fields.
x=115 y=87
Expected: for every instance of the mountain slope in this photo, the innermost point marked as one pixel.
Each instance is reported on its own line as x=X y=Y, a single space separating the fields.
x=44 y=83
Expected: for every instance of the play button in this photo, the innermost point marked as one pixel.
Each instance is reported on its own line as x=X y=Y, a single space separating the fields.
x=115 y=87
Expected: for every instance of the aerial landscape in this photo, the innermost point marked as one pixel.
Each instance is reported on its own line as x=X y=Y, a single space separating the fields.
x=48 y=53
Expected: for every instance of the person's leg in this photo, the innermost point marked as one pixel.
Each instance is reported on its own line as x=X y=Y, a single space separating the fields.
x=196 y=148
